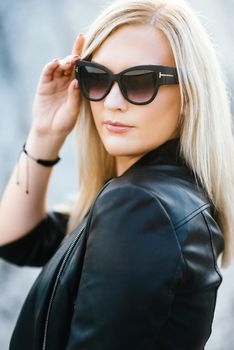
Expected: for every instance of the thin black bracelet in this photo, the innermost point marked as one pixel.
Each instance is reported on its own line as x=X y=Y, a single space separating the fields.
x=44 y=162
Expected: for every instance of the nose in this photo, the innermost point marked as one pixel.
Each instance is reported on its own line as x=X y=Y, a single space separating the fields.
x=115 y=100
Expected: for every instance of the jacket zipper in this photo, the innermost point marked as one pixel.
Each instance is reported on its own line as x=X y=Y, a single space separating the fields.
x=69 y=251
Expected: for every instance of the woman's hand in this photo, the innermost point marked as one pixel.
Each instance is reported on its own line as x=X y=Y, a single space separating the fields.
x=57 y=101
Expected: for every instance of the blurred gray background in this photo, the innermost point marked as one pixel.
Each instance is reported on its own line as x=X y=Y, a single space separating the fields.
x=31 y=34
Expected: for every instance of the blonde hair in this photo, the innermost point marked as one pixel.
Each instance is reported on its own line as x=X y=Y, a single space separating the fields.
x=207 y=143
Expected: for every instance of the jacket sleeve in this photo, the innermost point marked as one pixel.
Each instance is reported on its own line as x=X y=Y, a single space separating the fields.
x=37 y=246
x=131 y=268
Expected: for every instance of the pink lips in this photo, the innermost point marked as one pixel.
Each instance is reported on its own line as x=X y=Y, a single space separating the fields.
x=117 y=127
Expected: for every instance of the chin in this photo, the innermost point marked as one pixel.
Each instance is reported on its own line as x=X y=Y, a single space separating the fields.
x=121 y=150
x=116 y=152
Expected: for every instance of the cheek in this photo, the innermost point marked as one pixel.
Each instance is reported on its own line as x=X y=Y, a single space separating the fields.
x=168 y=100
x=162 y=114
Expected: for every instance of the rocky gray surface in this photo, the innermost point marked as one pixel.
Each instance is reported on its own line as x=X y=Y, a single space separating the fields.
x=31 y=34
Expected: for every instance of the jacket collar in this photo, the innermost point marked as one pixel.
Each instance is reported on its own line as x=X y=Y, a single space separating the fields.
x=166 y=153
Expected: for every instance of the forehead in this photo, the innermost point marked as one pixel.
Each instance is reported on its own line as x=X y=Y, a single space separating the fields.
x=132 y=45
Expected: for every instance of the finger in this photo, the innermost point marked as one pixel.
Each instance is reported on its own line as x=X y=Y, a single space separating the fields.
x=70 y=58
x=73 y=88
x=65 y=66
x=78 y=45
x=68 y=71
x=73 y=60
x=73 y=95
x=48 y=71
x=59 y=72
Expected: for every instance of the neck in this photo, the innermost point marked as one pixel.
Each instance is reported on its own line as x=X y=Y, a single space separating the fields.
x=124 y=162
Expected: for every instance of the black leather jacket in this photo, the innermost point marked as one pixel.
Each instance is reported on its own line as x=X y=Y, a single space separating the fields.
x=139 y=273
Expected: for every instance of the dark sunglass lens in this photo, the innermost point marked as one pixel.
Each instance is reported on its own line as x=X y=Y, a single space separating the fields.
x=139 y=85
x=94 y=81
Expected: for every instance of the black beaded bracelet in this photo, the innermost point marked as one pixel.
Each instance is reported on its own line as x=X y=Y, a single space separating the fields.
x=44 y=162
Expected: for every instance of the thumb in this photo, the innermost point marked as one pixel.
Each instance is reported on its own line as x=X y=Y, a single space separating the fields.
x=74 y=95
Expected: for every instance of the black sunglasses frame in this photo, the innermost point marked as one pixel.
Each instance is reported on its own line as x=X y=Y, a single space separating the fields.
x=166 y=76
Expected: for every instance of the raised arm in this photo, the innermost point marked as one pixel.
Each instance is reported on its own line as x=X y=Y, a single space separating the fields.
x=55 y=111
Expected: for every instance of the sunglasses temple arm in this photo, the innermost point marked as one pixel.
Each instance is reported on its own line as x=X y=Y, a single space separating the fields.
x=168 y=77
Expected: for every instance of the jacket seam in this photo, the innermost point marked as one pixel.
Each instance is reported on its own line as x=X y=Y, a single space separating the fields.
x=180 y=222
x=191 y=215
x=174 y=227
x=212 y=246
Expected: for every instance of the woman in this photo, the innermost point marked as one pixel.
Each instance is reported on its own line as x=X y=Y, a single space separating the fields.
x=134 y=265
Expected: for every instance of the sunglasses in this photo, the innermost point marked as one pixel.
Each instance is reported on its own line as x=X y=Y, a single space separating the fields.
x=139 y=85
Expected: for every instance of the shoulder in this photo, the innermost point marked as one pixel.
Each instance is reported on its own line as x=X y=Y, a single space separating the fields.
x=129 y=226
x=166 y=211
x=130 y=199
x=168 y=192
x=134 y=213
x=174 y=188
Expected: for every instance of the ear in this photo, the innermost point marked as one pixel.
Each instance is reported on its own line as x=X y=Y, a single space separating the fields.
x=78 y=44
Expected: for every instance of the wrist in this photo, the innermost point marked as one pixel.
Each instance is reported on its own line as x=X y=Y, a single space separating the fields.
x=44 y=146
x=44 y=162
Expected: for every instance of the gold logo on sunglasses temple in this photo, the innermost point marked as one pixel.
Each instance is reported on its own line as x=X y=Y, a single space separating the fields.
x=165 y=75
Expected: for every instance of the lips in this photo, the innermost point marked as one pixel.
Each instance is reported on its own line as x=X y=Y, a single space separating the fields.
x=109 y=122
x=117 y=127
